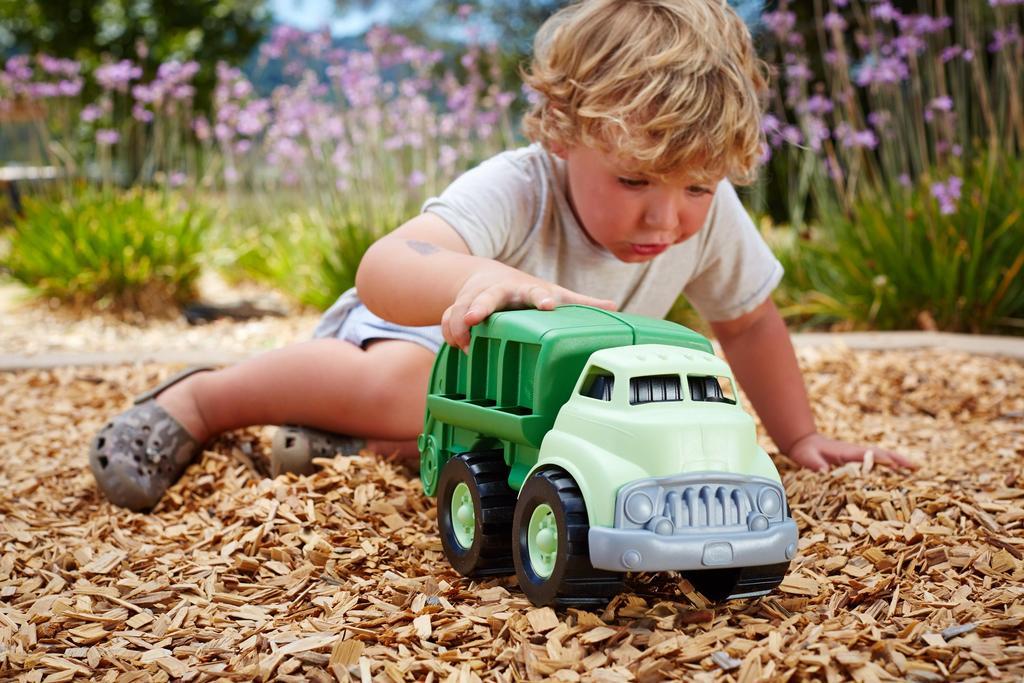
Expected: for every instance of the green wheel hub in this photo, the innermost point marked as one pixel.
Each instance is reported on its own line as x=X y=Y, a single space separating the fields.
x=430 y=465
x=542 y=540
x=463 y=516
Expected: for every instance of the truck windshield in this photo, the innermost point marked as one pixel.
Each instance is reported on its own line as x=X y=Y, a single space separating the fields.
x=711 y=389
x=599 y=384
x=654 y=389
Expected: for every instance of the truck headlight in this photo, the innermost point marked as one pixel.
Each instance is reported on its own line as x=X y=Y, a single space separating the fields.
x=769 y=501
x=639 y=507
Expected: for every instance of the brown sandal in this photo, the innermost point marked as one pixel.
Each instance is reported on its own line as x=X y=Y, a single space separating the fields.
x=141 y=452
x=294 y=448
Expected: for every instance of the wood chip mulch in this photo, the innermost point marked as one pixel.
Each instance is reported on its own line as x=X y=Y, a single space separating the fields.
x=340 y=575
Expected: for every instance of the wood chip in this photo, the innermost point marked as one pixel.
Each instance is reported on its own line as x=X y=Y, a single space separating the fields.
x=543 y=619
x=340 y=575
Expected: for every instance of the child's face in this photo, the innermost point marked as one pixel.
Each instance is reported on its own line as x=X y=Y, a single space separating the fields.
x=632 y=216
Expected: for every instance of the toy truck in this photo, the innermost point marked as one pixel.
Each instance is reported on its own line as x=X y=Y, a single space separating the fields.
x=574 y=445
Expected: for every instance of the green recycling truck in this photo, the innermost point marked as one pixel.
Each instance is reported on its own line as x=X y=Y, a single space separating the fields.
x=574 y=445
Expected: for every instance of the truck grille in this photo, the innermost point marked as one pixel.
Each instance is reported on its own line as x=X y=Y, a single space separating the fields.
x=699 y=502
x=701 y=506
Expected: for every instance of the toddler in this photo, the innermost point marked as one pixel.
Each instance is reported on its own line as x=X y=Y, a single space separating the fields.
x=648 y=113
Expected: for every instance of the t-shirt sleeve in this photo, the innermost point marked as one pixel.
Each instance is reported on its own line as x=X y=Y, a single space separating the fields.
x=491 y=206
x=736 y=270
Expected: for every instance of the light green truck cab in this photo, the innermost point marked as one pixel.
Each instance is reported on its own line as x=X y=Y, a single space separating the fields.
x=618 y=434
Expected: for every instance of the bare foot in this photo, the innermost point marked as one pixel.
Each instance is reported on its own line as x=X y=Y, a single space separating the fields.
x=179 y=401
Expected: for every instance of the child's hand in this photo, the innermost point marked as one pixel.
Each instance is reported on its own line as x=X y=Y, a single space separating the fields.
x=501 y=288
x=818 y=453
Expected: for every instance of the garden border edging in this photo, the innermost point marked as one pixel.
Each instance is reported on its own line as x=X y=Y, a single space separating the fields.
x=988 y=345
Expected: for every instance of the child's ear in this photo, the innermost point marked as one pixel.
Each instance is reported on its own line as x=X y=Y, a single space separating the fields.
x=559 y=150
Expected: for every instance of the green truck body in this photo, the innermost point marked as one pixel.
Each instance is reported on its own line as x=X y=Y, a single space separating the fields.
x=619 y=427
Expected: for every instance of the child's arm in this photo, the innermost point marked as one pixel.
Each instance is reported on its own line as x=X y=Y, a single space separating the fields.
x=423 y=273
x=759 y=350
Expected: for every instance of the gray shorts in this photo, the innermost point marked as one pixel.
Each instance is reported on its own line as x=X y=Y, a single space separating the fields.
x=352 y=321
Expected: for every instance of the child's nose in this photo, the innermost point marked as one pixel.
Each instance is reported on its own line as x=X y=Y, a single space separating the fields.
x=661 y=216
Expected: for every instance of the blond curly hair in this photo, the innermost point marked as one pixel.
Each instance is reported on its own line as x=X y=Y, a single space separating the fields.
x=673 y=87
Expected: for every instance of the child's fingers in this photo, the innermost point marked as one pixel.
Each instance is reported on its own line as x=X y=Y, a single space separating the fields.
x=483 y=304
x=541 y=297
x=842 y=453
x=811 y=459
x=893 y=459
x=454 y=326
x=572 y=297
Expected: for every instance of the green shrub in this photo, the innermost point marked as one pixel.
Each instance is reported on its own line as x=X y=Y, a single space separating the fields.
x=896 y=262
x=133 y=250
x=309 y=256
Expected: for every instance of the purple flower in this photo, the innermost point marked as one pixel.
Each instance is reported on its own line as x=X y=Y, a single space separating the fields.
x=1005 y=3
x=817 y=105
x=817 y=132
x=117 y=75
x=941 y=104
x=909 y=45
x=879 y=119
x=250 y=121
x=833 y=21
x=447 y=156
x=780 y=23
x=885 y=12
x=182 y=92
x=792 y=135
x=886 y=70
x=201 y=127
x=852 y=139
x=58 y=67
x=798 y=71
x=18 y=68
x=176 y=179
x=923 y=24
x=70 y=88
x=950 y=53
x=903 y=179
x=1003 y=38
x=145 y=93
x=947 y=194
x=140 y=113
x=91 y=113
x=107 y=137
x=416 y=179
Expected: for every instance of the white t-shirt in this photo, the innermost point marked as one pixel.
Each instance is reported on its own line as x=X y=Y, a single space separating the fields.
x=514 y=208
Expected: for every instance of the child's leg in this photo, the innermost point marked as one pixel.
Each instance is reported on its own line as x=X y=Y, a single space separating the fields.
x=376 y=393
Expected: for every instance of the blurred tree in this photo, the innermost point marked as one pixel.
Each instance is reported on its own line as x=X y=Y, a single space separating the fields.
x=146 y=31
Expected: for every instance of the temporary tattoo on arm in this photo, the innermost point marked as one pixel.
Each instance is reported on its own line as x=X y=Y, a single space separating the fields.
x=424 y=248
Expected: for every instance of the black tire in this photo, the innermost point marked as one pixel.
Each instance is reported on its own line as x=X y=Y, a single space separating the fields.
x=486 y=476
x=573 y=581
x=718 y=584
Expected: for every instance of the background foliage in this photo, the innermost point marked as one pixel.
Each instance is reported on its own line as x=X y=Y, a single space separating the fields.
x=892 y=169
x=148 y=31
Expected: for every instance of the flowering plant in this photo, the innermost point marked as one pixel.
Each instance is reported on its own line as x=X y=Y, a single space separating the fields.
x=903 y=135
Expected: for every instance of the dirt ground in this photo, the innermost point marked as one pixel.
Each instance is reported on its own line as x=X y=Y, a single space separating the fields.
x=340 y=575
